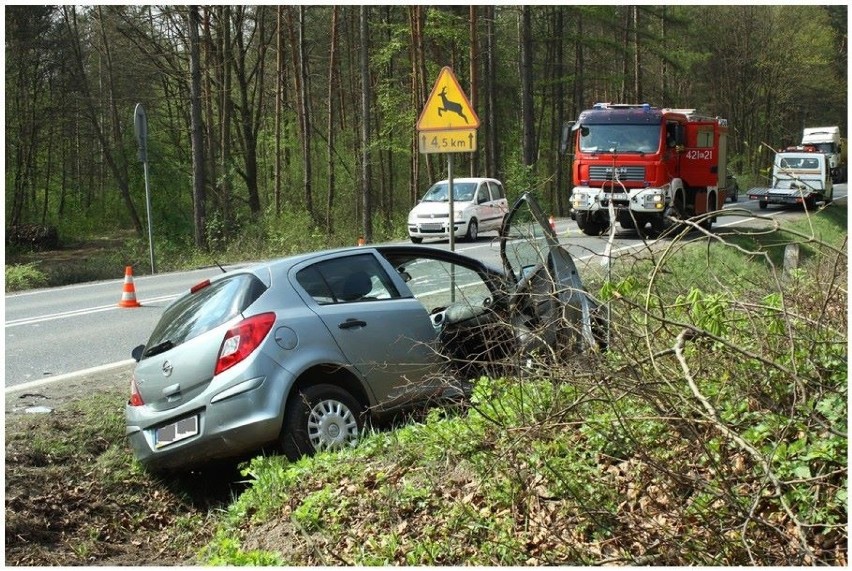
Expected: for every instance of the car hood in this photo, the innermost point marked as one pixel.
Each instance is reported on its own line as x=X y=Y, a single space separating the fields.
x=426 y=209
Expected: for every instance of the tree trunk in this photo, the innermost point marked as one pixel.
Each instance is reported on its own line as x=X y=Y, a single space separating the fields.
x=304 y=105
x=563 y=188
x=637 y=75
x=528 y=125
x=492 y=144
x=332 y=90
x=198 y=210
x=366 y=96
x=474 y=79
x=279 y=96
x=226 y=109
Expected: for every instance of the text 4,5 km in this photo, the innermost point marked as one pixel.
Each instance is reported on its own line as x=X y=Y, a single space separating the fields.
x=448 y=141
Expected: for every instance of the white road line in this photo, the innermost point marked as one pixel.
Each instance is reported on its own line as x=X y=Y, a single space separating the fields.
x=77 y=312
x=67 y=376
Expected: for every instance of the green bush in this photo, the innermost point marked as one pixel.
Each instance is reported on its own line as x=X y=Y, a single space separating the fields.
x=24 y=276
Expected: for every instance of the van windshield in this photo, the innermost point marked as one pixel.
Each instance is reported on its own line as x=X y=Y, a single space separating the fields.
x=462 y=191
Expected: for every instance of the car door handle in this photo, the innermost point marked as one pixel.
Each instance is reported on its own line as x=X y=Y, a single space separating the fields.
x=352 y=324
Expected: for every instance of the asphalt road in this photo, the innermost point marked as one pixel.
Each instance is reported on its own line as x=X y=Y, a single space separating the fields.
x=60 y=333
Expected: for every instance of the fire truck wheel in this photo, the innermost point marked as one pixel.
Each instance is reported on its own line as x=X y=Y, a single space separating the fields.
x=589 y=225
x=664 y=223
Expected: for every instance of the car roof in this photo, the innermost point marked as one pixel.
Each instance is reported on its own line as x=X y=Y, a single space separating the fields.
x=471 y=179
x=260 y=268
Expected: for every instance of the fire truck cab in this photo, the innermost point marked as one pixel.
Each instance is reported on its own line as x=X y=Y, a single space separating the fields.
x=640 y=165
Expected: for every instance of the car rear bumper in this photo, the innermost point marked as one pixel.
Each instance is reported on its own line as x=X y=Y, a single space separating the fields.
x=230 y=424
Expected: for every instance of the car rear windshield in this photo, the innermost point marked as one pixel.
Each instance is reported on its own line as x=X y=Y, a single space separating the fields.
x=201 y=311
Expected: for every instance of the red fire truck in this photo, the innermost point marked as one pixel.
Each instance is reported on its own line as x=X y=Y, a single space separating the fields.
x=641 y=165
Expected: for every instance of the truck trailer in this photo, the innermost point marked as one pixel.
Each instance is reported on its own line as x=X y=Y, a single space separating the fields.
x=641 y=165
x=828 y=141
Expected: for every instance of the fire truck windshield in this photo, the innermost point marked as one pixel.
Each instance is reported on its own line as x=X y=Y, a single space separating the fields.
x=619 y=138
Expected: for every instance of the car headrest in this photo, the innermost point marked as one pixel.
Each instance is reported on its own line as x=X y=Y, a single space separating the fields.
x=356 y=286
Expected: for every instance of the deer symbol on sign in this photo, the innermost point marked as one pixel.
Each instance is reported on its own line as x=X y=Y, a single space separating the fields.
x=450 y=105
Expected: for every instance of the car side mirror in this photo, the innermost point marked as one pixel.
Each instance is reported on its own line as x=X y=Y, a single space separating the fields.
x=137 y=353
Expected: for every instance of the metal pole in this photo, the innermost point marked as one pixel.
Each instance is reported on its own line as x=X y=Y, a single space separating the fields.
x=150 y=222
x=452 y=226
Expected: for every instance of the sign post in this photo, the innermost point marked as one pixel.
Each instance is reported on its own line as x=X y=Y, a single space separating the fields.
x=447 y=124
x=140 y=127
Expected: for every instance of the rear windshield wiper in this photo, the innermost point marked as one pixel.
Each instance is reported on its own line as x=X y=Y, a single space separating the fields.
x=159 y=348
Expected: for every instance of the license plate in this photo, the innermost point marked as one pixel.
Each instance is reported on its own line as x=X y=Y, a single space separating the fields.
x=176 y=431
x=619 y=196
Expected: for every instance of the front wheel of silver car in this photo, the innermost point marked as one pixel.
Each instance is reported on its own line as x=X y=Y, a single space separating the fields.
x=320 y=417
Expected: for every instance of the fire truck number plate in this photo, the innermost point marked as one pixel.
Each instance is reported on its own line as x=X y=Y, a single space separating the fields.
x=700 y=155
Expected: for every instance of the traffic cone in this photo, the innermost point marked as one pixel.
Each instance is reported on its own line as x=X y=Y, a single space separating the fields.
x=128 y=296
x=553 y=223
x=361 y=241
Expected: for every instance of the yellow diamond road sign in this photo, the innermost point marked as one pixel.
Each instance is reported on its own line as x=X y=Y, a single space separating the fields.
x=447 y=108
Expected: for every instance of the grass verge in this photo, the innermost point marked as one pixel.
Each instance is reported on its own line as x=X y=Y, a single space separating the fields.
x=713 y=433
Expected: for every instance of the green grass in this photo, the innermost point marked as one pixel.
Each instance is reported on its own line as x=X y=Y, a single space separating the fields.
x=24 y=276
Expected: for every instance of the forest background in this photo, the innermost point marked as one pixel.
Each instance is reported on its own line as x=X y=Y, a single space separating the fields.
x=274 y=129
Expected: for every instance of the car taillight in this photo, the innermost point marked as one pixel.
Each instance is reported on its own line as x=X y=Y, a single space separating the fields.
x=135 y=397
x=240 y=341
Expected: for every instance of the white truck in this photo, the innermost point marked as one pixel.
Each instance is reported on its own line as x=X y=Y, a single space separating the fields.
x=800 y=175
x=828 y=141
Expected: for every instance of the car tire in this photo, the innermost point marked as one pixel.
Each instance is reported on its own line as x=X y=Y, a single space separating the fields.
x=318 y=418
x=762 y=204
x=416 y=239
x=472 y=230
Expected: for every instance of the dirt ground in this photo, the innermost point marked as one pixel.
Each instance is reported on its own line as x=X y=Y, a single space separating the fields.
x=65 y=508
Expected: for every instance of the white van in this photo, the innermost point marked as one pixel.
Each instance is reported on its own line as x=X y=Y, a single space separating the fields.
x=480 y=205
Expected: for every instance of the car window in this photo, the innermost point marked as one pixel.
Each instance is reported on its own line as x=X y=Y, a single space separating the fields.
x=482 y=194
x=204 y=309
x=496 y=191
x=347 y=279
x=438 y=284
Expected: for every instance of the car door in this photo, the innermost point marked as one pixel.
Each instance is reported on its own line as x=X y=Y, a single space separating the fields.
x=548 y=285
x=386 y=336
x=499 y=205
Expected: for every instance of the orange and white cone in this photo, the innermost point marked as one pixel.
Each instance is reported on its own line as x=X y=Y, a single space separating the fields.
x=128 y=296
x=553 y=223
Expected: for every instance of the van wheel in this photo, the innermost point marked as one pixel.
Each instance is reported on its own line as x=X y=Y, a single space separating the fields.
x=472 y=230
x=416 y=240
x=320 y=417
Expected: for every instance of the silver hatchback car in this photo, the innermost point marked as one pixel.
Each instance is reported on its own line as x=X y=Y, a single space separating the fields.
x=300 y=352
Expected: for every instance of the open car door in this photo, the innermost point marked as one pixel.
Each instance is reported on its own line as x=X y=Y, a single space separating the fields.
x=548 y=288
